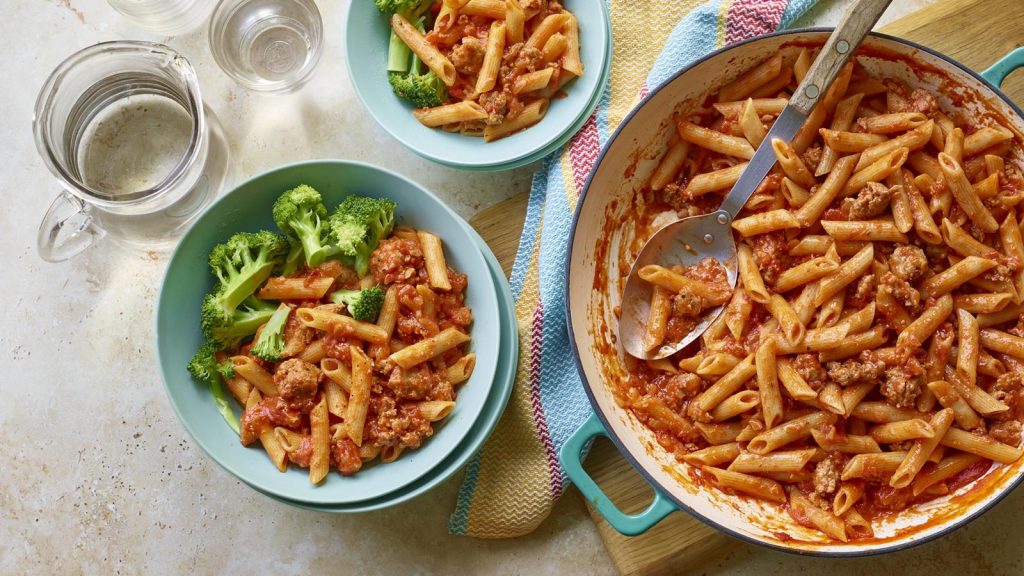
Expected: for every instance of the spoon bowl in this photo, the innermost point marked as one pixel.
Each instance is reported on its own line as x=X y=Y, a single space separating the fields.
x=684 y=242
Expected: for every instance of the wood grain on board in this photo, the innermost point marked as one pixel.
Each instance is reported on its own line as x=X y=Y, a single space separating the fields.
x=974 y=32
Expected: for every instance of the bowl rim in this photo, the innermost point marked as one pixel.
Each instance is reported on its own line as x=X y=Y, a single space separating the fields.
x=472 y=444
x=517 y=159
x=883 y=548
x=490 y=286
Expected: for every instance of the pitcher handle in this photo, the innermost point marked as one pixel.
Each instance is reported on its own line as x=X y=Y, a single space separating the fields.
x=998 y=72
x=629 y=524
x=67 y=229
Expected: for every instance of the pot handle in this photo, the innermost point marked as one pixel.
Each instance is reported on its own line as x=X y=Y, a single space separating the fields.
x=571 y=457
x=998 y=72
x=67 y=229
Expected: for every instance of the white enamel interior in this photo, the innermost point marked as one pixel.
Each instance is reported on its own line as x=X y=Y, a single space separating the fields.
x=624 y=169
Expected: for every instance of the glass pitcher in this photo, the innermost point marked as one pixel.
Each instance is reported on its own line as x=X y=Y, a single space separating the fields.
x=123 y=128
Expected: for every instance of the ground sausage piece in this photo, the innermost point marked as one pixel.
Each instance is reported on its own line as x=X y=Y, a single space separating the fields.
x=812 y=157
x=302 y=455
x=496 y=104
x=908 y=263
x=468 y=55
x=849 y=372
x=674 y=389
x=1008 y=390
x=296 y=379
x=899 y=388
x=826 y=477
x=685 y=303
x=345 y=457
x=810 y=370
x=870 y=201
x=770 y=254
x=863 y=293
x=1007 y=432
x=396 y=260
x=900 y=290
x=923 y=101
x=296 y=337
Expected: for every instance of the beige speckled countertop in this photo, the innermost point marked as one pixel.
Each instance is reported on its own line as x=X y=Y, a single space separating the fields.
x=99 y=476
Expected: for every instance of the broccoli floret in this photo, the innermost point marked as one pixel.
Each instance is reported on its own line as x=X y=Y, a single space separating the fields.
x=363 y=305
x=299 y=213
x=407 y=8
x=270 y=344
x=204 y=367
x=405 y=74
x=226 y=330
x=243 y=263
x=358 y=225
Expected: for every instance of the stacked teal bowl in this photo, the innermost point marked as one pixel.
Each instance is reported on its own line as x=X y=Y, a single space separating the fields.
x=481 y=399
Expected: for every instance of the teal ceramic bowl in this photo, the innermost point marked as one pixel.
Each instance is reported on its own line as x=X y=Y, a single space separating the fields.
x=248 y=207
x=493 y=410
x=367 y=32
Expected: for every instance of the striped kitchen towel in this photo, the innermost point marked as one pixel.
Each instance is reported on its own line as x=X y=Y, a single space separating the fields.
x=512 y=484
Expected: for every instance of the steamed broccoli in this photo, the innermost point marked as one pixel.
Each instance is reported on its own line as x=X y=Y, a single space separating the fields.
x=204 y=367
x=226 y=330
x=363 y=305
x=404 y=67
x=293 y=259
x=299 y=213
x=270 y=344
x=243 y=263
x=358 y=225
x=408 y=8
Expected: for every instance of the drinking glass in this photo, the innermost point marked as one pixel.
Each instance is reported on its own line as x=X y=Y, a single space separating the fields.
x=123 y=128
x=267 y=45
x=165 y=17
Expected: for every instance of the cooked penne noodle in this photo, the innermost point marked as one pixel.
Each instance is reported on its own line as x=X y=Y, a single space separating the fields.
x=847 y=273
x=882 y=413
x=878 y=171
x=912 y=337
x=461 y=369
x=850 y=141
x=657 y=318
x=791 y=163
x=947 y=396
x=433 y=259
x=735 y=405
x=924 y=224
x=847 y=443
x=533 y=113
x=532 y=81
x=719 y=433
x=794 y=383
x=985 y=138
x=670 y=165
x=894 y=122
x=911 y=140
x=713 y=181
x=438 y=63
x=874 y=466
x=821 y=519
x=964 y=194
x=488 y=75
x=793 y=330
x=713 y=455
x=968 y=347
x=828 y=191
x=717 y=364
x=750 y=124
x=750 y=463
x=857 y=526
x=855 y=344
x=752 y=79
x=515 y=22
x=768 y=384
x=764 y=222
x=551 y=24
x=675 y=282
x=329 y=321
x=865 y=230
x=359 y=395
x=428 y=348
x=255 y=374
x=714 y=141
x=320 y=438
x=843 y=118
x=901 y=431
x=726 y=386
x=434 y=410
x=747 y=484
x=983 y=446
x=789 y=432
x=281 y=288
x=762 y=106
x=446 y=114
x=954 y=145
x=571 y=61
x=848 y=494
x=945 y=469
x=737 y=312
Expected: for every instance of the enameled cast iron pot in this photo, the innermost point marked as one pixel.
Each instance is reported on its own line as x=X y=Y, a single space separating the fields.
x=592 y=292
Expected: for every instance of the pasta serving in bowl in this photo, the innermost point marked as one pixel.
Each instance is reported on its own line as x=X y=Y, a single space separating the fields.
x=863 y=389
x=522 y=74
x=340 y=330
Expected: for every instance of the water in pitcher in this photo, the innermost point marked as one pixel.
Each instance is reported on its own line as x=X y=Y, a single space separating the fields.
x=134 y=145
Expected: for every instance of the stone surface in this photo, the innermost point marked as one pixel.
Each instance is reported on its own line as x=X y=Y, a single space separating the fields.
x=99 y=476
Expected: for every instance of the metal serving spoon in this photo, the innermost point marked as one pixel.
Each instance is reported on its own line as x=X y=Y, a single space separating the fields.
x=687 y=241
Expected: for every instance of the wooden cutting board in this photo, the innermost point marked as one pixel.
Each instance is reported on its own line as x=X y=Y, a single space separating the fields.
x=974 y=32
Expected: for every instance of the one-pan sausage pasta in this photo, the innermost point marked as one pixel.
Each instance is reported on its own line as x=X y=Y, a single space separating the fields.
x=872 y=355
x=492 y=66
x=342 y=362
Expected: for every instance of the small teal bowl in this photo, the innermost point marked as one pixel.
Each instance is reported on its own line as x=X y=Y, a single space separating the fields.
x=248 y=207
x=366 y=41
